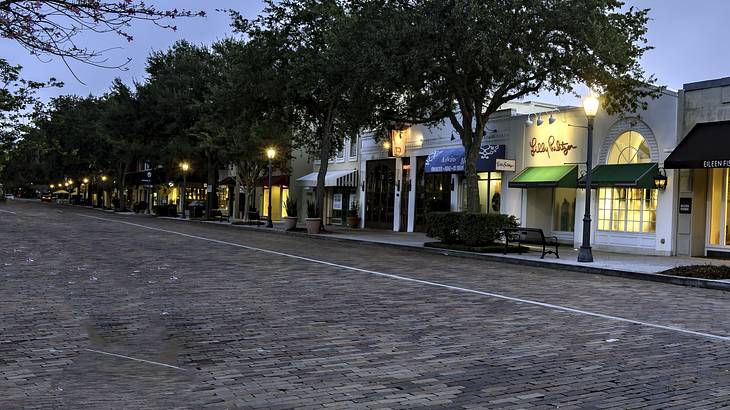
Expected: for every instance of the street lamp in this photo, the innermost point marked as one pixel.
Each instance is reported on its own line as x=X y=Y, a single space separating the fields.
x=590 y=105
x=185 y=167
x=270 y=154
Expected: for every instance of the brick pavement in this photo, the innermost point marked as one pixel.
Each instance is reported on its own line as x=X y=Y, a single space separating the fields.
x=258 y=330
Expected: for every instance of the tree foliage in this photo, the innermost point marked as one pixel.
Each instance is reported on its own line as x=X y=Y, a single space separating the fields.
x=460 y=60
x=52 y=27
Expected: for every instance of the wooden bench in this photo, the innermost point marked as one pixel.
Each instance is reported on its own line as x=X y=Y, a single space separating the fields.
x=531 y=236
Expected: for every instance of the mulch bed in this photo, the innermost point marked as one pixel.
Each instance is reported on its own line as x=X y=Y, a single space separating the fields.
x=700 y=271
x=496 y=248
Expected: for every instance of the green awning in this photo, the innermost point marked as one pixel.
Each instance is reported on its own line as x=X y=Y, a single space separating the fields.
x=624 y=175
x=559 y=176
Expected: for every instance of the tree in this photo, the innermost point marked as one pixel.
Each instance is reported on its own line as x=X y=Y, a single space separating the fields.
x=179 y=111
x=250 y=114
x=16 y=95
x=51 y=27
x=460 y=60
x=120 y=121
x=314 y=49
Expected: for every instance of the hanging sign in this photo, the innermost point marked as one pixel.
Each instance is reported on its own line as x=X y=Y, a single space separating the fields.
x=505 y=165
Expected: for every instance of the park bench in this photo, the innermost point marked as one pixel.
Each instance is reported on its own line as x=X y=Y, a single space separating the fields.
x=254 y=218
x=531 y=236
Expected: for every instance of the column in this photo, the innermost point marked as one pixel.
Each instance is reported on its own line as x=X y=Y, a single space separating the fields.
x=412 y=194
x=455 y=205
x=397 y=197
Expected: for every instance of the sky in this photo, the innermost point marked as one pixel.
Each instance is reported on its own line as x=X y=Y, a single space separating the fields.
x=688 y=36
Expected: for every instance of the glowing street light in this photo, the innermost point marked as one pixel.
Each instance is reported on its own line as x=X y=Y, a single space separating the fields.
x=270 y=154
x=590 y=105
x=185 y=168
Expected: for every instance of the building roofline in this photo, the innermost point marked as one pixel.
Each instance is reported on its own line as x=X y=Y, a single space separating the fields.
x=701 y=85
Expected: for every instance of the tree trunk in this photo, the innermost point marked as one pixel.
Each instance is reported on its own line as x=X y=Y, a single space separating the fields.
x=324 y=156
x=212 y=192
x=235 y=213
x=247 y=203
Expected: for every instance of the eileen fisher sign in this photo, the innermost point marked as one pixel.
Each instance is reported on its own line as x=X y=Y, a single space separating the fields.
x=551 y=145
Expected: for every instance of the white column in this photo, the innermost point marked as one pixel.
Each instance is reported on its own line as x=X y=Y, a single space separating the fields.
x=361 y=197
x=412 y=194
x=397 y=198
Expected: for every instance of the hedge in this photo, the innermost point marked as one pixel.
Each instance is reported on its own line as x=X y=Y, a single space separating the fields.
x=165 y=210
x=468 y=228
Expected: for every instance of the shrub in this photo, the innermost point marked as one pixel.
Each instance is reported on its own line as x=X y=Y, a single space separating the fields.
x=291 y=207
x=165 y=210
x=139 y=206
x=354 y=210
x=468 y=228
x=311 y=209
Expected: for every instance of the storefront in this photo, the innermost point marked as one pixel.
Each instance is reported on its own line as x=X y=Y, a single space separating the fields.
x=340 y=193
x=279 y=195
x=628 y=212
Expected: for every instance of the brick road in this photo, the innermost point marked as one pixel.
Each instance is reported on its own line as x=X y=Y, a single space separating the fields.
x=245 y=328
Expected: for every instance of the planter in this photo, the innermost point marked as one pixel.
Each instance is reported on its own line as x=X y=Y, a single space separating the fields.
x=313 y=225
x=290 y=222
x=353 y=221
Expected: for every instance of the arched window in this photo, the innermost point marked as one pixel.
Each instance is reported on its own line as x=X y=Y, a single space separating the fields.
x=628 y=209
x=629 y=148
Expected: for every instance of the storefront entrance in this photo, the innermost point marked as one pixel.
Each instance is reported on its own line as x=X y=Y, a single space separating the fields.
x=380 y=194
x=433 y=194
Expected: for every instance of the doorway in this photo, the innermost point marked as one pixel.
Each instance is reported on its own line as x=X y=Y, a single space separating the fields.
x=380 y=194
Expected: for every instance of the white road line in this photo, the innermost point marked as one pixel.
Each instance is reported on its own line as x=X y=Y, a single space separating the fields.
x=435 y=284
x=135 y=359
x=8 y=212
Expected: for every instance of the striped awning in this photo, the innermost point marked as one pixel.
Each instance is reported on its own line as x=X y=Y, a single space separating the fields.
x=345 y=178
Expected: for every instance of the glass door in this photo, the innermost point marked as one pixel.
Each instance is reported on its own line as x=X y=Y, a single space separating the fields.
x=380 y=194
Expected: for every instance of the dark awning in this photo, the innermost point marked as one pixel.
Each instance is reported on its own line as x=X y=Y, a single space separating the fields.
x=453 y=160
x=623 y=175
x=706 y=146
x=559 y=176
x=276 y=180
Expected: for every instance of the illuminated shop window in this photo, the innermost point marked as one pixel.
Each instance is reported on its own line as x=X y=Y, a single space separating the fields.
x=628 y=209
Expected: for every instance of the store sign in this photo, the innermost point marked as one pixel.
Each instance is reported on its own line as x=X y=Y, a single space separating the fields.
x=685 y=205
x=505 y=165
x=453 y=160
x=337 y=202
x=716 y=164
x=550 y=146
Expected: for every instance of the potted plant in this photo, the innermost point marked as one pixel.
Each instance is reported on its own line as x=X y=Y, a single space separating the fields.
x=353 y=216
x=290 y=221
x=313 y=223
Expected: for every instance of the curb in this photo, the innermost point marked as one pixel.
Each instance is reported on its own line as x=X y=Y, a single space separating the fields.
x=651 y=277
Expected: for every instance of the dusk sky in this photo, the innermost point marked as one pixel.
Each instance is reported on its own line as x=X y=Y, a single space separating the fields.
x=687 y=36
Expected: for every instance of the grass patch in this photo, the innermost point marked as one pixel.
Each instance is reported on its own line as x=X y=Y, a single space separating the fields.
x=700 y=271
x=496 y=248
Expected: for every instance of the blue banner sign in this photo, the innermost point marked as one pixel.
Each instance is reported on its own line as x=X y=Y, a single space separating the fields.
x=453 y=160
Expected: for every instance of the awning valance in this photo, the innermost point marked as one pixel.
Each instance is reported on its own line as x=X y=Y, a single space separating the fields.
x=706 y=146
x=453 y=160
x=623 y=175
x=559 y=176
x=276 y=180
x=343 y=178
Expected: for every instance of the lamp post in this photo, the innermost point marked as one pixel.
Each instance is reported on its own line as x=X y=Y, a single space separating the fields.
x=270 y=154
x=585 y=254
x=185 y=167
x=86 y=191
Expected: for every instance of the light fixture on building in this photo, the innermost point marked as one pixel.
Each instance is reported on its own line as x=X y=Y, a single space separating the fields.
x=171 y=184
x=453 y=138
x=386 y=145
x=660 y=181
x=552 y=119
x=528 y=122
x=86 y=180
x=539 y=120
x=103 y=178
x=52 y=186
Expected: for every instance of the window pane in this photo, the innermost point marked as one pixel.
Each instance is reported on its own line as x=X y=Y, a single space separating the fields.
x=564 y=210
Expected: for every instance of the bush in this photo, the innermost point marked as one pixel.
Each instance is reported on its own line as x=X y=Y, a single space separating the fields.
x=165 y=210
x=468 y=228
x=139 y=206
x=291 y=207
x=311 y=210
